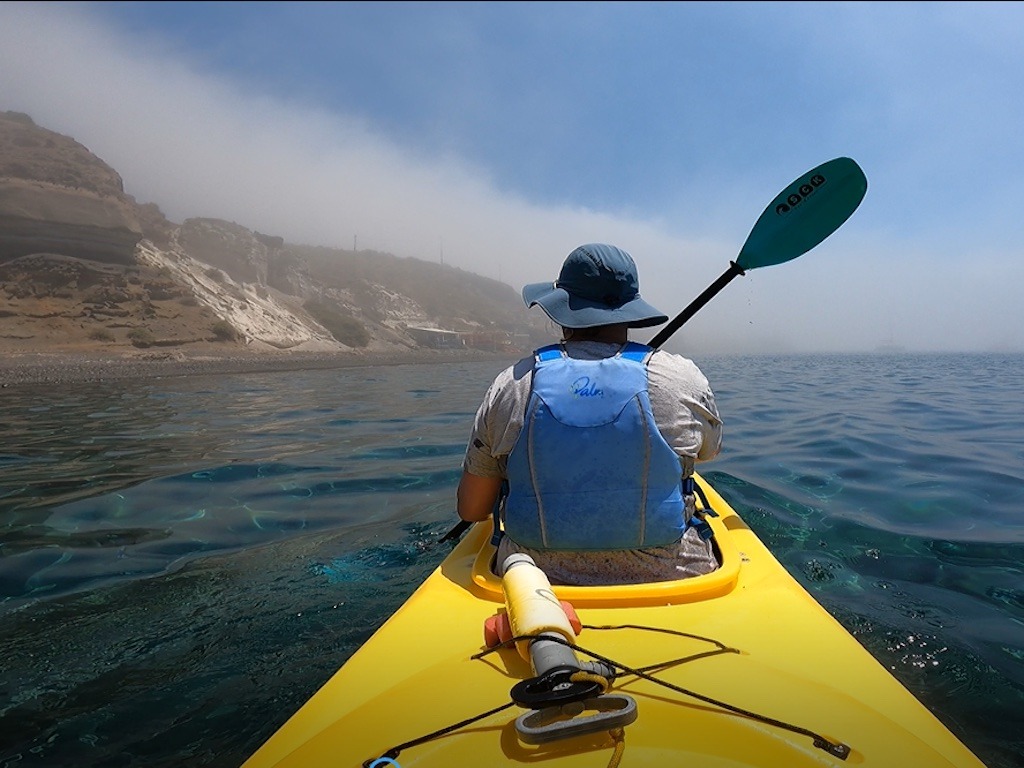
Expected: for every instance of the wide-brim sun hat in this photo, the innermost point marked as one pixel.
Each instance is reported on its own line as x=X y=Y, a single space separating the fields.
x=598 y=285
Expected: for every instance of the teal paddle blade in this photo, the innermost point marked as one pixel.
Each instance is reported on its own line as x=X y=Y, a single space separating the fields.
x=804 y=213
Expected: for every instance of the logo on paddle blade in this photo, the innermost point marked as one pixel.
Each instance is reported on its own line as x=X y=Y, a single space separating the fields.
x=805 y=191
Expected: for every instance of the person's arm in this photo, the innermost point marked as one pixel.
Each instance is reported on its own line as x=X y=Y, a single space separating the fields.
x=476 y=496
x=706 y=414
x=684 y=407
x=495 y=430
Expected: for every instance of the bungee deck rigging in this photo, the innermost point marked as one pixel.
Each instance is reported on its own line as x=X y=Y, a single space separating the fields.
x=556 y=701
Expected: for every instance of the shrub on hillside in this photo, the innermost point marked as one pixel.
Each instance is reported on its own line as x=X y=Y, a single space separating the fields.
x=224 y=331
x=141 y=337
x=342 y=327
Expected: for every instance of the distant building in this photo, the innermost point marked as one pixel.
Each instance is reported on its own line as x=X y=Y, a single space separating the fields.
x=436 y=338
x=495 y=341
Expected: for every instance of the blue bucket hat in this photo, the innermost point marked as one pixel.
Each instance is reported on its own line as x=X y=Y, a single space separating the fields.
x=598 y=285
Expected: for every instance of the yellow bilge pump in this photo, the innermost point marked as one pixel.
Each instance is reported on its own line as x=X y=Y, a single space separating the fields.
x=566 y=697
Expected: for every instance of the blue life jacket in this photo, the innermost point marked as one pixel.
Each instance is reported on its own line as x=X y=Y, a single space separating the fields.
x=590 y=470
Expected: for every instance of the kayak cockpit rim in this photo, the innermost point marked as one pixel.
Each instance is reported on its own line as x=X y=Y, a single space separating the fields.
x=687 y=590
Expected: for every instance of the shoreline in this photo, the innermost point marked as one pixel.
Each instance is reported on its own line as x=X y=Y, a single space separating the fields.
x=77 y=367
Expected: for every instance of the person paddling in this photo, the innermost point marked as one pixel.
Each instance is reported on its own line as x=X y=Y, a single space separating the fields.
x=585 y=450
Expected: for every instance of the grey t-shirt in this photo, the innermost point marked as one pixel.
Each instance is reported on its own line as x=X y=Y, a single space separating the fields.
x=686 y=415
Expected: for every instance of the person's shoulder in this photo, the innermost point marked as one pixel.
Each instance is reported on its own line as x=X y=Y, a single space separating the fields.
x=665 y=359
x=676 y=366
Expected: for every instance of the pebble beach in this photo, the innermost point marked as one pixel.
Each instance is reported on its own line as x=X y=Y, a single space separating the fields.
x=27 y=369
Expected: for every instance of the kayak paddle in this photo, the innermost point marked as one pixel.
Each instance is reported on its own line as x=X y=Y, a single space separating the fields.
x=800 y=217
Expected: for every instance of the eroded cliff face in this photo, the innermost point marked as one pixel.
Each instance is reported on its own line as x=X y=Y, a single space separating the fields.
x=52 y=302
x=164 y=296
x=57 y=197
x=85 y=266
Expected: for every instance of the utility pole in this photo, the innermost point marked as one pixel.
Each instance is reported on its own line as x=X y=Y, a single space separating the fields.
x=442 y=249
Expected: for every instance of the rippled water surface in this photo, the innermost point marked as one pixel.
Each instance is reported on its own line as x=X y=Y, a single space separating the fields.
x=184 y=561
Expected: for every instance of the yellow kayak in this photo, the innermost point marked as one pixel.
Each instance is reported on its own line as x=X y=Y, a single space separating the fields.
x=740 y=667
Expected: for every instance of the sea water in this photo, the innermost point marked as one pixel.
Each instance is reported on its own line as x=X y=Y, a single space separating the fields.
x=184 y=561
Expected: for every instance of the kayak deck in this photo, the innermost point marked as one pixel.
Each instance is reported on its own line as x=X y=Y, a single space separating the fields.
x=754 y=669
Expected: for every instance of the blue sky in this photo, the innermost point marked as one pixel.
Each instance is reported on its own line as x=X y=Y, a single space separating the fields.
x=501 y=135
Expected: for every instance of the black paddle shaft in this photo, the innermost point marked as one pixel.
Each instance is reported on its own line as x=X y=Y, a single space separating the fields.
x=662 y=336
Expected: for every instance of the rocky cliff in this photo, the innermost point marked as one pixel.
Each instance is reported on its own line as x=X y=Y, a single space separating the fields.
x=83 y=266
